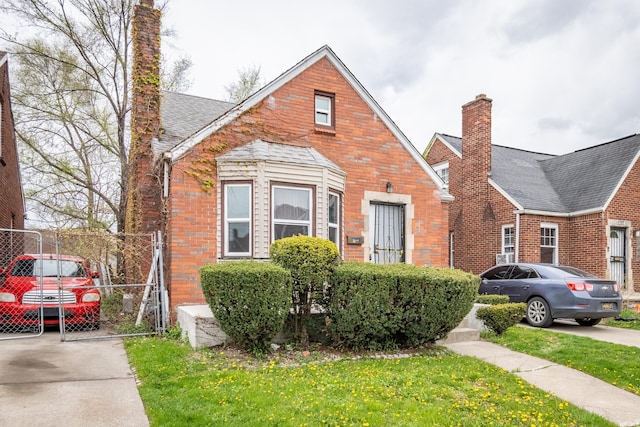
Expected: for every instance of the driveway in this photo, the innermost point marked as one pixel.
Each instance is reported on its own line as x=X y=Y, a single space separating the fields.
x=45 y=382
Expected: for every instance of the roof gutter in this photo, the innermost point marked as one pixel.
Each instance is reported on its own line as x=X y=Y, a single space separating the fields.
x=559 y=214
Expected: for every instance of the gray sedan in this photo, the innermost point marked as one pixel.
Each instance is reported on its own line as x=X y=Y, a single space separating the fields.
x=554 y=291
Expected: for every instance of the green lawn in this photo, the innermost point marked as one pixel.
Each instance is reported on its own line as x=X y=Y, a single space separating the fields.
x=632 y=320
x=182 y=387
x=616 y=364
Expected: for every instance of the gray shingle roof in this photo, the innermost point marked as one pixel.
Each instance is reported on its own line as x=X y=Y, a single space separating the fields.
x=183 y=115
x=574 y=182
x=261 y=150
x=586 y=179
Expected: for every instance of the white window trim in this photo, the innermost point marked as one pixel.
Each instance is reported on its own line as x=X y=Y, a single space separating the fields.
x=555 y=247
x=504 y=247
x=336 y=225
x=327 y=112
x=228 y=221
x=439 y=167
x=274 y=221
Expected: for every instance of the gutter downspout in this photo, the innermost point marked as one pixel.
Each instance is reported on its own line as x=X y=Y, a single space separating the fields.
x=517 y=242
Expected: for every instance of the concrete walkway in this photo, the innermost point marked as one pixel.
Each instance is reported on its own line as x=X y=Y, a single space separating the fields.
x=46 y=382
x=599 y=397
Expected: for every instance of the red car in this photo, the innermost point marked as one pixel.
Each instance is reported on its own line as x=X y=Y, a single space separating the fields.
x=49 y=281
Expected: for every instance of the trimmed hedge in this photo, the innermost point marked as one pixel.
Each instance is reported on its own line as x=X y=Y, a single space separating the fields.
x=376 y=306
x=249 y=299
x=501 y=317
x=492 y=299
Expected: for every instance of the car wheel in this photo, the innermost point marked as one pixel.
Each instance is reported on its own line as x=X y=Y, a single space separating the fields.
x=588 y=322
x=538 y=313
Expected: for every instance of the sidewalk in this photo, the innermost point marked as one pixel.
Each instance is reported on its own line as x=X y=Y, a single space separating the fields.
x=45 y=382
x=616 y=405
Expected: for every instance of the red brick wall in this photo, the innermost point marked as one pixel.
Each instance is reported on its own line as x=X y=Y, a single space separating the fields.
x=624 y=207
x=12 y=205
x=362 y=146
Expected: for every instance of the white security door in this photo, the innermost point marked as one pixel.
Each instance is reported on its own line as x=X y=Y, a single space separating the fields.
x=386 y=224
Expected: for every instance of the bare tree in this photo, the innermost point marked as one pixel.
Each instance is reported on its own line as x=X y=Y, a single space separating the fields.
x=71 y=99
x=249 y=81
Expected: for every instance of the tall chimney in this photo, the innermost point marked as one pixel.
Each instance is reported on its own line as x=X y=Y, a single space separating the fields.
x=144 y=207
x=476 y=146
x=143 y=194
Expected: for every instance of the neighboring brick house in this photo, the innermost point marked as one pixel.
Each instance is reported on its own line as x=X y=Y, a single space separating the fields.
x=310 y=153
x=580 y=208
x=12 y=200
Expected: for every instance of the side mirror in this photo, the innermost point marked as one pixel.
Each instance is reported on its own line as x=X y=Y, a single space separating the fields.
x=95 y=274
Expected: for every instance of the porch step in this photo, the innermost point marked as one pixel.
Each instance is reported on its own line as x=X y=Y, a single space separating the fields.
x=460 y=335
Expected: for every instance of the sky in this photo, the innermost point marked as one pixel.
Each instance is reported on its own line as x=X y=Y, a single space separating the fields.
x=563 y=74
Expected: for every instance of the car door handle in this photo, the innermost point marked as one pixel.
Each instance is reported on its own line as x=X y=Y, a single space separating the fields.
x=525 y=287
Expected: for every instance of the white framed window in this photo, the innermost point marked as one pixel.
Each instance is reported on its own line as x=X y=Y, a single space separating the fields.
x=442 y=169
x=291 y=211
x=237 y=219
x=549 y=243
x=333 y=218
x=324 y=109
x=508 y=239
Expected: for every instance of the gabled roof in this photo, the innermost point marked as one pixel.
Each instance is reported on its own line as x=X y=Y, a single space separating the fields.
x=589 y=178
x=452 y=142
x=182 y=115
x=269 y=151
x=582 y=181
x=178 y=150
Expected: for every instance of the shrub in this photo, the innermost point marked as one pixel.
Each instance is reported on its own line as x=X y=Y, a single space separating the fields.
x=501 y=317
x=375 y=306
x=310 y=260
x=492 y=299
x=249 y=299
x=436 y=303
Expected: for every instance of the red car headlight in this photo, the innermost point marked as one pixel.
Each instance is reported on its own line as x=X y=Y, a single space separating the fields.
x=91 y=297
x=7 y=297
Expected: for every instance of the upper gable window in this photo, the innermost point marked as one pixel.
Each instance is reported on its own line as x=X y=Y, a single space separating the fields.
x=324 y=102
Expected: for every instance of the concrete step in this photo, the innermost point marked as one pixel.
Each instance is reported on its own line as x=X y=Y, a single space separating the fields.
x=460 y=334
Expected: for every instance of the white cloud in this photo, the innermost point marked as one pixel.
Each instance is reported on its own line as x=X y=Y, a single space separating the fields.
x=562 y=74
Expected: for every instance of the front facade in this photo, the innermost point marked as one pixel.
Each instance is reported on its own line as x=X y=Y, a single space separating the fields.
x=12 y=206
x=579 y=209
x=310 y=153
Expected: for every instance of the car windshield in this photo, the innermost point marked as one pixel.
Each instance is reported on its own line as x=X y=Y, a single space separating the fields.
x=48 y=267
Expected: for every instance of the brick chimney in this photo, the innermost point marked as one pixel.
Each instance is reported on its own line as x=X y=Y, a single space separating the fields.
x=476 y=146
x=144 y=204
x=476 y=213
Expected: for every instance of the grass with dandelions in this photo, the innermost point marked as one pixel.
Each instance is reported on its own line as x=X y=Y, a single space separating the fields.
x=434 y=387
x=613 y=363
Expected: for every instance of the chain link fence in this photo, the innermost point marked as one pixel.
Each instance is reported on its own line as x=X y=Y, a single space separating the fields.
x=85 y=284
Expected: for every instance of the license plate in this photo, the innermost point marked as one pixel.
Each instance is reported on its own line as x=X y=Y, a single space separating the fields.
x=607 y=306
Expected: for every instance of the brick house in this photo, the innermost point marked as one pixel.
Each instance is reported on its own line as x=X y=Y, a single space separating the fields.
x=310 y=153
x=12 y=205
x=580 y=208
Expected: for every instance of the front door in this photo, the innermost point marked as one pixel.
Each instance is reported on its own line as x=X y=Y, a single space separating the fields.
x=386 y=224
x=618 y=255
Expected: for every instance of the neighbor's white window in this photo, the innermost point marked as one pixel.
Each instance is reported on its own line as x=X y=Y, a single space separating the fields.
x=324 y=109
x=334 y=218
x=549 y=243
x=291 y=211
x=508 y=239
x=237 y=219
x=442 y=169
